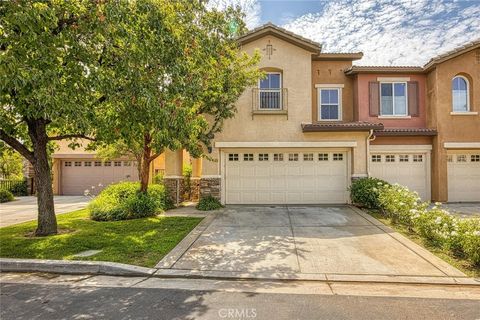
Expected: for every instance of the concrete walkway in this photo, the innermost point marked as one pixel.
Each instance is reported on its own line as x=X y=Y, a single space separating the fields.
x=25 y=208
x=294 y=242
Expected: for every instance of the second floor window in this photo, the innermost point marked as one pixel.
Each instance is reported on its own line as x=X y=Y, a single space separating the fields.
x=460 y=94
x=393 y=99
x=270 y=91
x=330 y=104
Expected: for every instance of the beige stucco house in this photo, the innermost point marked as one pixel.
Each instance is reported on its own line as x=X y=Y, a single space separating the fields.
x=316 y=122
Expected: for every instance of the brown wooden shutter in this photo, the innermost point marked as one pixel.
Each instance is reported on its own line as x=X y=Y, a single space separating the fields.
x=374 y=98
x=413 y=103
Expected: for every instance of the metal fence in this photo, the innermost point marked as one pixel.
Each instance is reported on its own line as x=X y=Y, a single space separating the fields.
x=269 y=99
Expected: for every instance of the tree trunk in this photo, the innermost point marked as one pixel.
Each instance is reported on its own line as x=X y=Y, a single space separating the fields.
x=47 y=222
x=145 y=164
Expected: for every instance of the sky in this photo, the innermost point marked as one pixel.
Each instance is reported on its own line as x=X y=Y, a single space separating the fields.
x=388 y=32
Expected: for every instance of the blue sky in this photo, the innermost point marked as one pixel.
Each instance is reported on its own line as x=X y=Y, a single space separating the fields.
x=388 y=32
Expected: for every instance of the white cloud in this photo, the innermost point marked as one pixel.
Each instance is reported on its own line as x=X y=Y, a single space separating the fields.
x=405 y=32
x=251 y=8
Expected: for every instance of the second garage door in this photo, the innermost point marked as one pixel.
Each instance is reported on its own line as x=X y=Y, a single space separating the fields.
x=286 y=177
x=464 y=177
x=408 y=169
x=79 y=175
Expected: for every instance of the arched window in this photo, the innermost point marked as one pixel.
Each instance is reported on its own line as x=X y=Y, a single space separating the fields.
x=460 y=98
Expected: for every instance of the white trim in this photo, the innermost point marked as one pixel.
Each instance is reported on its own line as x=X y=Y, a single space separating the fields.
x=400 y=148
x=299 y=144
x=464 y=113
x=319 y=103
x=173 y=177
x=393 y=79
x=394 y=117
x=210 y=176
x=461 y=145
x=468 y=93
x=335 y=85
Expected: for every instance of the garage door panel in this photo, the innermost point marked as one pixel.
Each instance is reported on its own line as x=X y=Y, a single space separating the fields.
x=464 y=177
x=294 y=179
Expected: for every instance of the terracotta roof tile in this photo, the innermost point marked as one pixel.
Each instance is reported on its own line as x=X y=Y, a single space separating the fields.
x=452 y=53
x=341 y=126
x=406 y=132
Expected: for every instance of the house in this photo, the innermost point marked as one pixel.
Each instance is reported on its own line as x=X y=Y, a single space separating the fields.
x=316 y=122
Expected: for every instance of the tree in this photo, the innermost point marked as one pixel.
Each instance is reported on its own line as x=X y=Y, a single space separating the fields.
x=48 y=53
x=11 y=164
x=176 y=72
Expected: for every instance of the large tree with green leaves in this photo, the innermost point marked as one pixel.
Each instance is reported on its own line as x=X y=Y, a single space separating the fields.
x=48 y=50
x=175 y=71
x=11 y=163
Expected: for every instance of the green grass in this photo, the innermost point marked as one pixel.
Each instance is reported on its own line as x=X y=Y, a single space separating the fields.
x=140 y=242
x=461 y=264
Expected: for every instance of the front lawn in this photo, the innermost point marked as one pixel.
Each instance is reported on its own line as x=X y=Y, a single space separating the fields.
x=141 y=242
x=461 y=264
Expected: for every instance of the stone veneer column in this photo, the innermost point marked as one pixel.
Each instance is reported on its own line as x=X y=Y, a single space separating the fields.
x=210 y=187
x=173 y=178
x=195 y=181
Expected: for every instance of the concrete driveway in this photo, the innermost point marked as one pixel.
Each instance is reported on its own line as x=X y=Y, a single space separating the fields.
x=25 y=208
x=294 y=241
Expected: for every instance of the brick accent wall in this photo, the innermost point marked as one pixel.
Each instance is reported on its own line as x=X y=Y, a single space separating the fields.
x=210 y=187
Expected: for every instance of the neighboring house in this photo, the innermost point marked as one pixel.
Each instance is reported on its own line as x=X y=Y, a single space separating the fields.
x=316 y=122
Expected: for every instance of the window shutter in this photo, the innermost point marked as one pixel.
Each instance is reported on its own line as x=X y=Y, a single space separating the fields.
x=374 y=98
x=413 y=103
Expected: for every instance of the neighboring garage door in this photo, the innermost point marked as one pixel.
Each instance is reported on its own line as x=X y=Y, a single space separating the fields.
x=464 y=177
x=408 y=169
x=285 y=177
x=79 y=175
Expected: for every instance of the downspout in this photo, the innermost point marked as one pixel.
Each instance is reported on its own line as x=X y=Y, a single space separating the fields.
x=369 y=138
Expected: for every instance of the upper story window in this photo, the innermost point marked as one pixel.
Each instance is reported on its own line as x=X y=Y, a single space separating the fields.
x=330 y=104
x=393 y=99
x=460 y=94
x=270 y=91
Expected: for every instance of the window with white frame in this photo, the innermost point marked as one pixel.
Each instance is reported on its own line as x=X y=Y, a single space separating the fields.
x=390 y=158
x=337 y=156
x=68 y=163
x=98 y=163
x=233 y=157
x=107 y=163
x=248 y=157
x=263 y=157
x=270 y=91
x=78 y=163
x=308 y=157
x=460 y=95
x=278 y=157
x=376 y=158
x=393 y=99
x=293 y=157
x=403 y=158
x=475 y=158
x=88 y=163
x=330 y=104
x=323 y=157
x=417 y=158
x=461 y=158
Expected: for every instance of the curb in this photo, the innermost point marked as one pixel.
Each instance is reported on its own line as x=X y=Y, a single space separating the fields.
x=73 y=267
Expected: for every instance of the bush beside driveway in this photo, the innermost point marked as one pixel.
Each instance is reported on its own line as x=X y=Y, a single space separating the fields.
x=141 y=242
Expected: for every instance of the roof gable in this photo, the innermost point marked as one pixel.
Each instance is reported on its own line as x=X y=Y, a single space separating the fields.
x=271 y=29
x=452 y=54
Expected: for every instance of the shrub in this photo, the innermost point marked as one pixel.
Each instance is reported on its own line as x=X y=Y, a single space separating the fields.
x=209 y=203
x=470 y=241
x=19 y=188
x=6 y=196
x=123 y=201
x=435 y=225
x=364 y=192
x=400 y=204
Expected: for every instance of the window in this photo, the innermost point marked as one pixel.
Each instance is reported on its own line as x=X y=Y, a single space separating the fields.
x=393 y=99
x=293 y=157
x=263 y=157
x=417 y=158
x=88 y=163
x=390 y=158
x=403 y=158
x=323 y=157
x=117 y=163
x=78 y=163
x=233 y=157
x=475 y=158
x=337 y=156
x=107 y=163
x=68 y=163
x=278 y=157
x=308 y=157
x=376 y=158
x=461 y=158
x=248 y=157
x=127 y=163
x=98 y=163
x=460 y=98
x=270 y=91
x=449 y=158
x=330 y=104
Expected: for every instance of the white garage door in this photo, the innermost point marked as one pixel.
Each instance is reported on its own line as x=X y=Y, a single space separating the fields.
x=408 y=169
x=79 y=175
x=286 y=177
x=464 y=177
